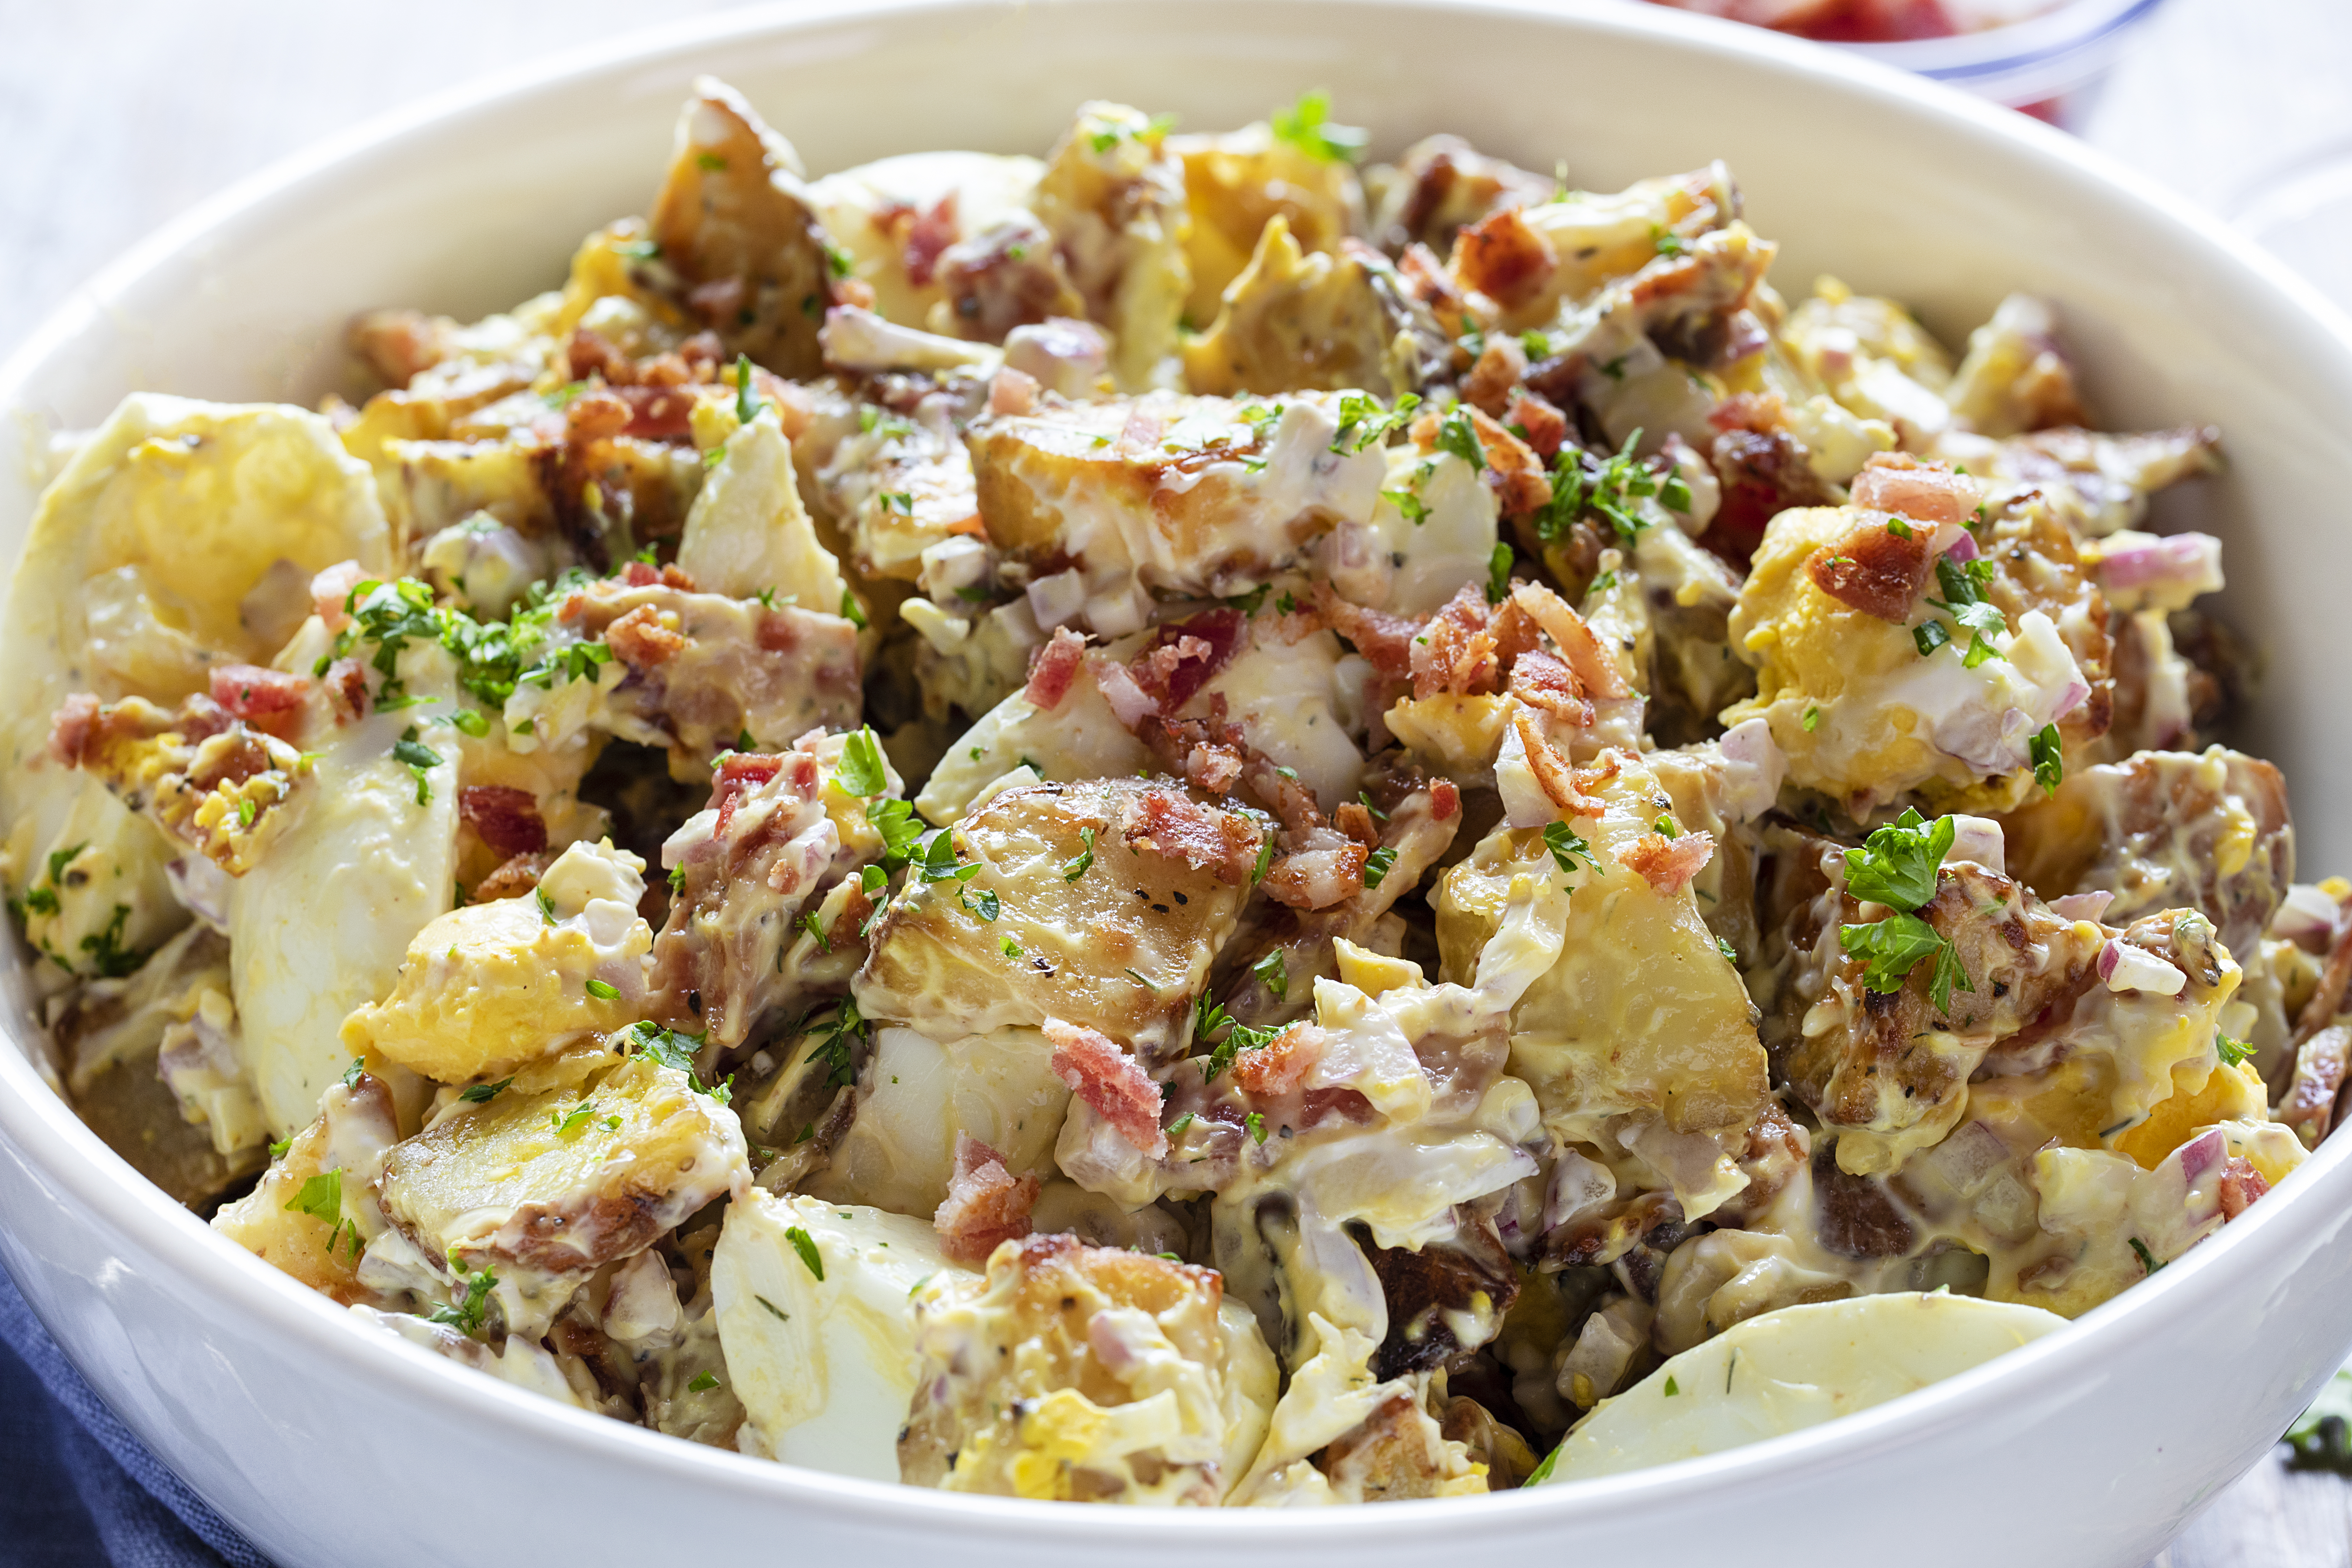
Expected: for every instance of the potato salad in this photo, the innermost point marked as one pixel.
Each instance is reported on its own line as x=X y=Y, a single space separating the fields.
x=1191 y=822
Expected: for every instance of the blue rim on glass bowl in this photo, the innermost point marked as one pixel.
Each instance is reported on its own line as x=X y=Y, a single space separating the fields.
x=2038 y=65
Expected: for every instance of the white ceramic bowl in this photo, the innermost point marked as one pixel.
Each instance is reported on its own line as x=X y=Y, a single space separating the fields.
x=326 y=1443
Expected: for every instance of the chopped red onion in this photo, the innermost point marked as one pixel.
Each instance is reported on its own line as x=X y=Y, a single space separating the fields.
x=2083 y=907
x=1978 y=839
x=2129 y=968
x=2200 y=1154
x=2305 y=912
x=2187 y=559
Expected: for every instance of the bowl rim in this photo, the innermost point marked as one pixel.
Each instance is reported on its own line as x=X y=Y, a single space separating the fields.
x=2068 y=28
x=69 y=1156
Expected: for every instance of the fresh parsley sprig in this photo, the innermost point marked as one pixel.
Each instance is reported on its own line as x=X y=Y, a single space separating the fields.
x=1896 y=866
x=1308 y=126
x=1609 y=488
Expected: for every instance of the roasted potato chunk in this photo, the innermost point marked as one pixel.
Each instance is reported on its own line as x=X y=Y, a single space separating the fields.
x=313 y=1213
x=1330 y=322
x=1237 y=184
x=1639 y=1030
x=1113 y=198
x=542 y=1189
x=734 y=219
x=1090 y=1375
x=1100 y=903
x=1195 y=495
x=2207 y=831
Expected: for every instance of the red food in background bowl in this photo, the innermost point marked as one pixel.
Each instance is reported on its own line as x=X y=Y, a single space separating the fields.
x=2045 y=56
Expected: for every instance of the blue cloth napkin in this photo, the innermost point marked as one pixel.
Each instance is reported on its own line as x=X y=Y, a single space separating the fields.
x=79 y=1489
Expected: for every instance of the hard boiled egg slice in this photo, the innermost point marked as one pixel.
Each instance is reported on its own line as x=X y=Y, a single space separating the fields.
x=1785 y=1371
x=816 y=1318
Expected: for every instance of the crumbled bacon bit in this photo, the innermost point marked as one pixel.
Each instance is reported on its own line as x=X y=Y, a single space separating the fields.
x=639 y=640
x=1873 y=569
x=1444 y=799
x=1513 y=471
x=1561 y=784
x=1386 y=641
x=1763 y=473
x=244 y=757
x=1211 y=768
x=1054 y=667
x=72 y=729
x=588 y=352
x=596 y=415
x=1293 y=804
x=740 y=772
x=1354 y=819
x=2241 y=1185
x=1931 y=492
x=1282 y=1063
x=657 y=413
x=1596 y=672
x=1011 y=392
x=643 y=574
x=330 y=588
x=1157 y=664
x=1206 y=838
x=1184 y=656
x=1546 y=426
x=347 y=687
x=1669 y=864
x=507 y=818
x=1425 y=278
x=1318 y=877
x=1758 y=413
x=1466 y=647
x=514 y=877
x=1500 y=365
x=1503 y=258
x=928 y=237
x=1543 y=681
x=986 y=1203
x=1111 y=1082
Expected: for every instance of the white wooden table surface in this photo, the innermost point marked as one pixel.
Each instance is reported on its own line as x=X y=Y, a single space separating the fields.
x=116 y=117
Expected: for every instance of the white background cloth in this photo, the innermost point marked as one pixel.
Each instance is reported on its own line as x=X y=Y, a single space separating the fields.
x=116 y=117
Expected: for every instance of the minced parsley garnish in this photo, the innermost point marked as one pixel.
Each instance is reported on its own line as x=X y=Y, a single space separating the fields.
x=1271 y=974
x=1568 y=847
x=2049 y=759
x=1964 y=584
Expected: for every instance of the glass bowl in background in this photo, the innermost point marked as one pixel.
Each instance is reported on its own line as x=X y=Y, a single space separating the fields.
x=2045 y=58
